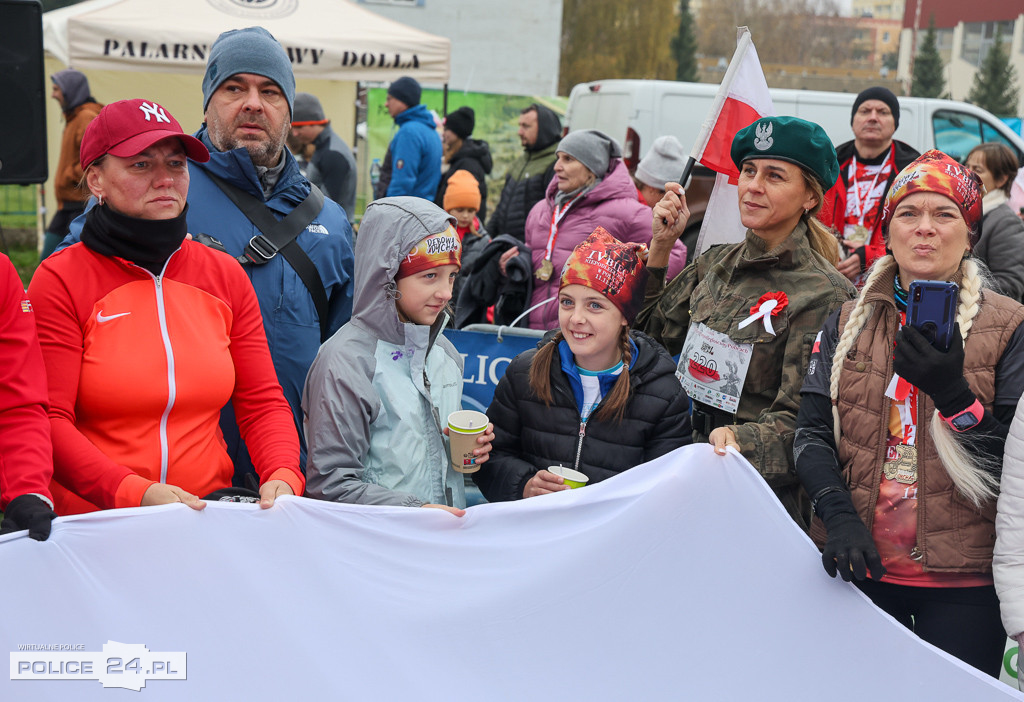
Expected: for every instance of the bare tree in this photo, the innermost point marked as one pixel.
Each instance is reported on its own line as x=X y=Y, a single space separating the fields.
x=801 y=32
x=616 y=39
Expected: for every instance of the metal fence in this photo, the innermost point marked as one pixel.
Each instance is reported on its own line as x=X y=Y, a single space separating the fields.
x=18 y=201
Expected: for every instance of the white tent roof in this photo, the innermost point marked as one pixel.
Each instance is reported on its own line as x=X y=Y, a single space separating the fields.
x=327 y=39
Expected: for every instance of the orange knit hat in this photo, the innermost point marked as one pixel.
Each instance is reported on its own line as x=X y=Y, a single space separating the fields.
x=462 y=191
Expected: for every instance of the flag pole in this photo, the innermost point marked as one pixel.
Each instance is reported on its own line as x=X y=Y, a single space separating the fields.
x=706 y=127
x=742 y=42
x=687 y=169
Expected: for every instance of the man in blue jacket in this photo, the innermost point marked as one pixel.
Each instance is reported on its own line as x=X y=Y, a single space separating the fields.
x=412 y=164
x=248 y=95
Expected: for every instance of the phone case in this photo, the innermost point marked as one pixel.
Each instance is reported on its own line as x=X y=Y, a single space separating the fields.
x=931 y=309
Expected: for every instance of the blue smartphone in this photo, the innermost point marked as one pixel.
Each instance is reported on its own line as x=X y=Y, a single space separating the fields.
x=931 y=309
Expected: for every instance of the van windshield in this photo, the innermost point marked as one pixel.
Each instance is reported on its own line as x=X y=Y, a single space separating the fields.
x=956 y=133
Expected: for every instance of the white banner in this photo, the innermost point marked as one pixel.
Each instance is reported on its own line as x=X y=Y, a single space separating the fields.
x=681 y=579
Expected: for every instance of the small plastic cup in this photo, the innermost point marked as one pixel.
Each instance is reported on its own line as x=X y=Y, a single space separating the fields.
x=572 y=478
x=464 y=427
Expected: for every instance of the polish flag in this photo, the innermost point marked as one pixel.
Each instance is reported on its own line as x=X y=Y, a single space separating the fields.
x=742 y=99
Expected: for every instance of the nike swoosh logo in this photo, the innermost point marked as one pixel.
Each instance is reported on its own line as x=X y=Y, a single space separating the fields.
x=101 y=318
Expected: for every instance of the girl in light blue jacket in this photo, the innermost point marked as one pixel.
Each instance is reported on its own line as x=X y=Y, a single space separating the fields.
x=380 y=390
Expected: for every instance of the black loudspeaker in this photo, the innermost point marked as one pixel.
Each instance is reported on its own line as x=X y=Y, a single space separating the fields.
x=22 y=93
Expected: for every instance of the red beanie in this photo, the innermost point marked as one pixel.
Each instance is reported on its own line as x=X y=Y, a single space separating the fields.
x=612 y=268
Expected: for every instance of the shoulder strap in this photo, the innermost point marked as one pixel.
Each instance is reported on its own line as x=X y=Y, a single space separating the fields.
x=278 y=236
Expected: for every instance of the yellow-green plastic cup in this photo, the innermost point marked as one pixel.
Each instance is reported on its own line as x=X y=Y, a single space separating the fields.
x=572 y=478
x=464 y=427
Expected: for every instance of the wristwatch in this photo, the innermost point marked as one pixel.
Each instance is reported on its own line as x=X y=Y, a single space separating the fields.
x=966 y=419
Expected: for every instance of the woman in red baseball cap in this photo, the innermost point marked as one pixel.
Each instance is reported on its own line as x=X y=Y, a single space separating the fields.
x=146 y=335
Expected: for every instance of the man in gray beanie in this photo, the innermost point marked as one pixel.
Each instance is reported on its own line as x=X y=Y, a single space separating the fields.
x=664 y=163
x=331 y=167
x=248 y=98
x=412 y=163
x=249 y=80
x=867 y=166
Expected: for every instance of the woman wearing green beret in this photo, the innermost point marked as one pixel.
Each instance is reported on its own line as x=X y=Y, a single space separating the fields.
x=744 y=316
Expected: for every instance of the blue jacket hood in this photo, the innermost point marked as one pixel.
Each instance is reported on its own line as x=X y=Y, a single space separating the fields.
x=417 y=113
x=390 y=229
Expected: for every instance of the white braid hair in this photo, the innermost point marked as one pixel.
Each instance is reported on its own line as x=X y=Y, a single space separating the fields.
x=970 y=472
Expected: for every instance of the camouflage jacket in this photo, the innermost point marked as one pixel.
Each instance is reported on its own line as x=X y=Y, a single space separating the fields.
x=718 y=289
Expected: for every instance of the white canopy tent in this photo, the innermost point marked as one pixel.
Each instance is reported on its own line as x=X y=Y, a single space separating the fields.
x=158 y=50
x=326 y=39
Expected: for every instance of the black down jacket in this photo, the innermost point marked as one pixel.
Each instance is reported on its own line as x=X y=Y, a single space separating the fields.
x=483 y=284
x=530 y=436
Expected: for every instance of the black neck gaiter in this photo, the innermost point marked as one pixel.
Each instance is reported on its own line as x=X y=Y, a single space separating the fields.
x=145 y=242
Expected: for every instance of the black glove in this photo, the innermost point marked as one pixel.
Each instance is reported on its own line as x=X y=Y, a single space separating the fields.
x=28 y=512
x=939 y=375
x=850 y=549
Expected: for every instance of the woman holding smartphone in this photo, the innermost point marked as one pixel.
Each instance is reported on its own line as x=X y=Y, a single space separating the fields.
x=901 y=449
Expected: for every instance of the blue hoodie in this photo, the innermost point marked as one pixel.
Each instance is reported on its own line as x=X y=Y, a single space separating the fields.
x=415 y=155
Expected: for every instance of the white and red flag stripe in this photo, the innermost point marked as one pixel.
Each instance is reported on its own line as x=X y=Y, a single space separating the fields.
x=742 y=99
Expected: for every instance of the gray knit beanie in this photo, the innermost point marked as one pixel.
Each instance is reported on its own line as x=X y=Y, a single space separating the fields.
x=593 y=148
x=249 y=50
x=663 y=163
x=308 y=110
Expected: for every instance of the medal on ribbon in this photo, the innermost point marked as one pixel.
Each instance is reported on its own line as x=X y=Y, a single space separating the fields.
x=902 y=467
x=545 y=270
x=898 y=388
x=768 y=305
x=858 y=237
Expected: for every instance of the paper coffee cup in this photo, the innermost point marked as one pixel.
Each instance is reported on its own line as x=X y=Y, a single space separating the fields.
x=464 y=427
x=572 y=478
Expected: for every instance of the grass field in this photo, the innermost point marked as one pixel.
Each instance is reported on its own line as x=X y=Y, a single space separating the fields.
x=25 y=260
x=18 y=207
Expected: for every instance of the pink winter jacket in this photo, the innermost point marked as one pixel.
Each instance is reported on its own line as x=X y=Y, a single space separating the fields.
x=613 y=204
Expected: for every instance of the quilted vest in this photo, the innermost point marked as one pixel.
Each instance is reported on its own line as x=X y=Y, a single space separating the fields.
x=953 y=536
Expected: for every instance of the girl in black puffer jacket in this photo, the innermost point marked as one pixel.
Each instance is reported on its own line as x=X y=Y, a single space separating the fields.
x=594 y=396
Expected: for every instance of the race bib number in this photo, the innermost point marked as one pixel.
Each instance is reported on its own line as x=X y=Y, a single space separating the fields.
x=713 y=367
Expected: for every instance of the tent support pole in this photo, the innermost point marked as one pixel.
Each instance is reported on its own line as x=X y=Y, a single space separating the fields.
x=444 y=107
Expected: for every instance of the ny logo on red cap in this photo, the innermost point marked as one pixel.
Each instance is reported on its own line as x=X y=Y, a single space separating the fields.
x=155 y=110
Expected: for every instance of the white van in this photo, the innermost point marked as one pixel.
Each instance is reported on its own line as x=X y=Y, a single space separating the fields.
x=636 y=112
